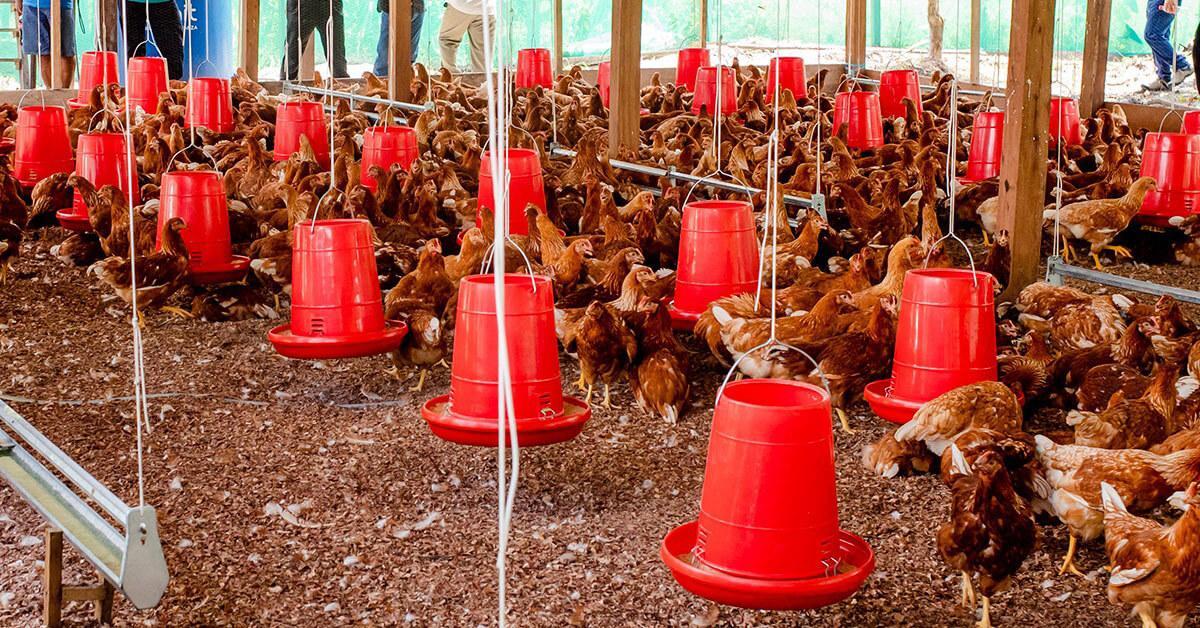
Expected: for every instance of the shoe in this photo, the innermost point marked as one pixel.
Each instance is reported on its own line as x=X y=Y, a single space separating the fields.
x=1157 y=86
x=1181 y=75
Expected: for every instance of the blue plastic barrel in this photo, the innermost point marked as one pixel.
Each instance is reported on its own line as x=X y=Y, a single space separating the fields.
x=210 y=27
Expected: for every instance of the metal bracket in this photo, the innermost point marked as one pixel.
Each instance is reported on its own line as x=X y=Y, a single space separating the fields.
x=1056 y=270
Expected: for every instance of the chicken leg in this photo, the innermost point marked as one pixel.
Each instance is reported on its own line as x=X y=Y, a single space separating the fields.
x=1096 y=259
x=986 y=621
x=1120 y=251
x=3 y=274
x=1069 y=561
x=607 y=403
x=395 y=370
x=581 y=383
x=845 y=421
x=588 y=398
x=968 y=591
x=180 y=312
x=986 y=240
x=1147 y=617
x=420 y=381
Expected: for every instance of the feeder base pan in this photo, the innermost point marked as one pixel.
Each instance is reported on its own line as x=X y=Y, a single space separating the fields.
x=334 y=347
x=75 y=222
x=477 y=432
x=1159 y=221
x=680 y=320
x=7 y=145
x=893 y=409
x=75 y=103
x=858 y=561
x=233 y=270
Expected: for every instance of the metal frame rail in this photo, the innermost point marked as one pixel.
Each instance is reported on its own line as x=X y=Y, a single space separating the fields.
x=129 y=556
x=929 y=88
x=1057 y=270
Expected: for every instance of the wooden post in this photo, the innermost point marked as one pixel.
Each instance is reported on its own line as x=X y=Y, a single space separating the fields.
x=56 y=60
x=1095 y=56
x=702 y=11
x=248 y=45
x=856 y=33
x=400 y=69
x=976 y=28
x=308 y=58
x=1026 y=131
x=558 y=44
x=625 y=82
x=106 y=15
x=54 y=593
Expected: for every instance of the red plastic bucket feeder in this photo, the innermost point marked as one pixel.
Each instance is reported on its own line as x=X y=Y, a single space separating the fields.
x=533 y=68
x=718 y=257
x=43 y=146
x=768 y=534
x=987 y=145
x=860 y=111
x=384 y=146
x=706 y=91
x=1173 y=159
x=296 y=118
x=687 y=63
x=337 y=309
x=96 y=68
x=468 y=415
x=209 y=104
x=894 y=87
x=198 y=197
x=946 y=339
x=102 y=161
x=789 y=72
x=525 y=187
x=147 y=81
x=1064 y=121
x=603 y=79
x=1191 y=123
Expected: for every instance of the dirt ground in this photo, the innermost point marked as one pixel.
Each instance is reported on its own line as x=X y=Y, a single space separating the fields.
x=388 y=525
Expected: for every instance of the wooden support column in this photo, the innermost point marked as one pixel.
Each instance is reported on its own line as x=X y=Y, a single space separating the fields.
x=976 y=28
x=54 y=593
x=856 y=33
x=557 y=53
x=106 y=15
x=702 y=11
x=400 y=69
x=248 y=44
x=56 y=60
x=625 y=83
x=1095 y=56
x=1026 y=131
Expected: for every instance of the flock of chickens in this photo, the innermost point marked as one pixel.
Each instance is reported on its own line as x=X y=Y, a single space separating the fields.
x=609 y=240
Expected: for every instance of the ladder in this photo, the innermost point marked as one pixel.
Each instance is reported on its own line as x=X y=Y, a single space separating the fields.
x=23 y=66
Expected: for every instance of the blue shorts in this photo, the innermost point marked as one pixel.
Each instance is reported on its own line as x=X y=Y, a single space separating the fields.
x=34 y=42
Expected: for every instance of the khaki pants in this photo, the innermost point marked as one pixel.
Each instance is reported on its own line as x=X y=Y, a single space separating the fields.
x=456 y=24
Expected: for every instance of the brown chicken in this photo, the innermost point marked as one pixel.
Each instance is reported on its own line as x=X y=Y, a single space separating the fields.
x=1099 y=221
x=1155 y=569
x=660 y=378
x=991 y=529
x=989 y=405
x=1131 y=423
x=159 y=274
x=745 y=339
x=891 y=458
x=606 y=348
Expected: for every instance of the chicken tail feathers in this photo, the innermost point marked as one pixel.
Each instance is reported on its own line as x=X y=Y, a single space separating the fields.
x=1112 y=499
x=958 y=461
x=1049 y=214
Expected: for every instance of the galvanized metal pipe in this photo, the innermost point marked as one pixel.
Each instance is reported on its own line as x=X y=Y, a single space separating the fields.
x=1058 y=269
x=407 y=106
x=927 y=88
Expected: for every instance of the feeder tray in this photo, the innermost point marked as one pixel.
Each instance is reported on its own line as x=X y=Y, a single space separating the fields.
x=226 y=272
x=336 y=347
x=858 y=561
x=890 y=408
x=680 y=320
x=531 y=432
x=75 y=103
x=72 y=221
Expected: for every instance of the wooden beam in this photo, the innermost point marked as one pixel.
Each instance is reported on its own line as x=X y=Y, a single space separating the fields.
x=248 y=44
x=52 y=576
x=702 y=11
x=856 y=33
x=106 y=16
x=558 y=44
x=1026 y=131
x=56 y=60
x=624 y=90
x=1095 y=56
x=400 y=69
x=976 y=28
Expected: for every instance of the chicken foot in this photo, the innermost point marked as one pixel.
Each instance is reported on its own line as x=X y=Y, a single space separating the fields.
x=607 y=403
x=1096 y=259
x=845 y=421
x=420 y=385
x=3 y=274
x=986 y=240
x=968 y=591
x=1120 y=251
x=986 y=621
x=1069 y=561
x=180 y=312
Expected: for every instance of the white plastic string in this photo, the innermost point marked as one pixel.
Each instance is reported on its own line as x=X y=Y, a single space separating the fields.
x=330 y=46
x=506 y=425
x=1056 y=245
x=951 y=167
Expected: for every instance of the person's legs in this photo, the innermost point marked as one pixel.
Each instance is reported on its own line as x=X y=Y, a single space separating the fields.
x=475 y=32
x=418 y=19
x=381 y=49
x=454 y=26
x=336 y=52
x=293 y=43
x=1196 y=53
x=1158 y=37
x=135 y=28
x=167 y=26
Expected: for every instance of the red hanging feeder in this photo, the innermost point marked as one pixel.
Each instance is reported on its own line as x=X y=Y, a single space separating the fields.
x=43 y=146
x=946 y=339
x=987 y=145
x=543 y=414
x=1064 y=122
x=860 y=111
x=533 y=68
x=718 y=257
x=789 y=72
x=337 y=309
x=1173 y=159
x=525 y=187
x=96 y=68
x=102 y=161
x=687 y=63
x=384 y=146
x=1191 y=123
x=209 y=104
x=603 y=78
x=296 y=118
x=894 y=87
x=706 y=91
x=147 y=82
x=198 y=197
x=768 y=534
